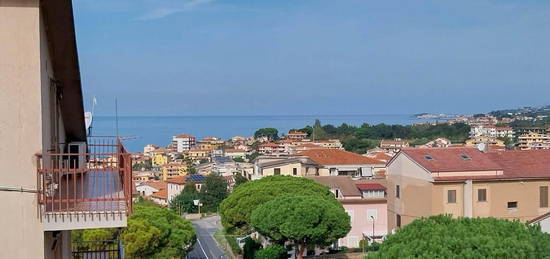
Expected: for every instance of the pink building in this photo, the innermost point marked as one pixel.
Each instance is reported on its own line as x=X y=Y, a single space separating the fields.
x=365 y=203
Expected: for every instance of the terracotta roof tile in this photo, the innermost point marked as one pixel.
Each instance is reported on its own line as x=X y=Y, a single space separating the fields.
x=515 y=164
x=451 y=160
x=370 y=186
x=338 y=157
x=162 y=194
x=159 y=185
x=342 y=183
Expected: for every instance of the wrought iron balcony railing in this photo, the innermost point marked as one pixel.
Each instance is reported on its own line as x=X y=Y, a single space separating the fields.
x=90 y=178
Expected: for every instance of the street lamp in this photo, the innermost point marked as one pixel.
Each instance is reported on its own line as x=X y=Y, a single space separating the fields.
x=372 y=217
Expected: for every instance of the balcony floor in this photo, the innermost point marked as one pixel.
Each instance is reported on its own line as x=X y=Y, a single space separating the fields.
x=97 y=190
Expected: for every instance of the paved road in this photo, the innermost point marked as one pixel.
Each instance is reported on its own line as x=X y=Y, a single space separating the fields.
x=206 y=247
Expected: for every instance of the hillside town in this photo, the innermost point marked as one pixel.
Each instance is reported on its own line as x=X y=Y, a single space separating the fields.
x=465 y=186
x=499 y=171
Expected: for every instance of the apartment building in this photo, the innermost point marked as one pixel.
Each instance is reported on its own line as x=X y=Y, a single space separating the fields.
x=533 y=140
x=365 y=203
x=50 y=167
x=467 y=182
x=296 y=135
x=491 y=132
x=393 y=145
x=292 y=165
x=183 y=142
x=341 y=162
x=271 y=148
x=488 y=141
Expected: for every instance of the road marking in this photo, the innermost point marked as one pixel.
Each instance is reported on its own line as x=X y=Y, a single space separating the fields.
x=199 y=241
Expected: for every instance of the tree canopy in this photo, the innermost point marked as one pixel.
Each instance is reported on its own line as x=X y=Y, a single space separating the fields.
x=305 y=220
x=271 y=133
x=444 y=237
x=183 y=202
x=236 y=209
x=155 y=232
x=213 y=192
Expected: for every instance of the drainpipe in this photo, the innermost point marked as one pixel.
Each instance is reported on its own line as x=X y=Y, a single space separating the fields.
x=17 y=189
x=468 y=200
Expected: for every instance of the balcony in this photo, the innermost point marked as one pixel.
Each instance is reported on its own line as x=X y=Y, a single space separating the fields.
x=89 y=185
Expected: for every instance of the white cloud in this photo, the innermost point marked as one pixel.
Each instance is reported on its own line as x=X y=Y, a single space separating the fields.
x=159 y=13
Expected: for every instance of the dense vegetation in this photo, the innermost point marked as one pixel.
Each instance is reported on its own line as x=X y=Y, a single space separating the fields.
x=270 y=133
x=152 y=232
x=367 y=136
x=155 y=232
x=285 y=208
x=213 y=192
x=236 y=209
x=444 y=237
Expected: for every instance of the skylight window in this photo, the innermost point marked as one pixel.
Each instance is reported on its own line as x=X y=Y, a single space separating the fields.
x=428 y=157
x=465 y=157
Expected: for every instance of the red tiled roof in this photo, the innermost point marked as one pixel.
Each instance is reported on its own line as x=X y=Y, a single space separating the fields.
x=338 y=157
x=515 y=164
x=370 y=186
x=380 y=156
x=269 y=145
x=523 y=163
x=184 y=136
x=297 y=133
x=162 y=194
x=450 y=160
x=159 y=185
x=177 y=179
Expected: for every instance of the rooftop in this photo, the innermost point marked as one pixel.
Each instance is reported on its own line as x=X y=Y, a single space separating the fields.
x=338 y=157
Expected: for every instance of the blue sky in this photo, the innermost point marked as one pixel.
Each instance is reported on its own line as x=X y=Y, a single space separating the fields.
x=284 y=57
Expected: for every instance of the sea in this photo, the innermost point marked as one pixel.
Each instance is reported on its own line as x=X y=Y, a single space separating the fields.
x=139 y=131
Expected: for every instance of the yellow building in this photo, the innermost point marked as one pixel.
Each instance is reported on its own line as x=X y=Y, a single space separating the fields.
x=473 y=142
x=533 y=140
x=173 y=169
x=159 y=159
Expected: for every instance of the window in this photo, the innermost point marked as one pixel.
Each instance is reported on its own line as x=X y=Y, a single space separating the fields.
x=512 y=205
x=397 y=192
x=482 y=195
x=398 y=220
x=294 y=171
x=543 y=191
x=350 y=213
x=428 y=157
x=337 y=193
x=451 y=196
x=464 y=156
x=277 y=171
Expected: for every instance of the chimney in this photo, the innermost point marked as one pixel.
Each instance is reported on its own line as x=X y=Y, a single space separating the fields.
x=483 y=147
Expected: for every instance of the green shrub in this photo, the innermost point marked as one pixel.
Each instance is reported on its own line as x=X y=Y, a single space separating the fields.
x=444 y=237
x=234 y=245
x=272 y=252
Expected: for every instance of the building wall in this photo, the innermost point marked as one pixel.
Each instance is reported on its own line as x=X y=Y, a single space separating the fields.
x=544 y=225
x=286 y=169
x=21 y=127
x=526 y=193
x=415 y=191
x=362 y=224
